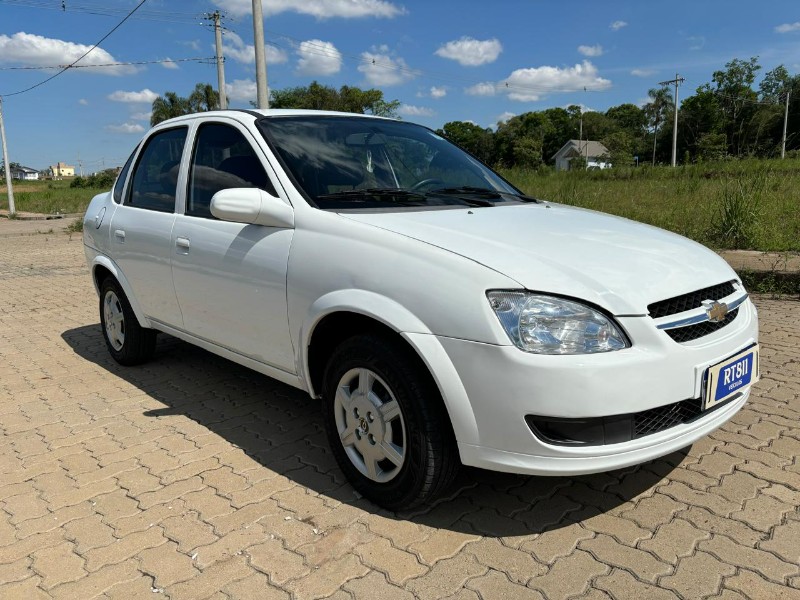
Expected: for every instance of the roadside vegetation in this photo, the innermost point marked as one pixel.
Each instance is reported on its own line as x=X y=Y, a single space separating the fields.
x=744 y=204
x=50 y=197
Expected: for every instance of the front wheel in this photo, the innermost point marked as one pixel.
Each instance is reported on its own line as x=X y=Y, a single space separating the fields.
x=128 y=342
x=386 y=423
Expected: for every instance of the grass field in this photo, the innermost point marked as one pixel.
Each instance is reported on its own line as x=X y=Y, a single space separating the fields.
x=745 y=204
x=48 y=197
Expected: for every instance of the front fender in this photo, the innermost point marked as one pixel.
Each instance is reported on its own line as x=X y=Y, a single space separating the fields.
x=417 y=335
x=101 y=260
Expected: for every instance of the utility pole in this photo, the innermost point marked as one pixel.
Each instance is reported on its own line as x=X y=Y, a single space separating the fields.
x=11 y=209
x=261 y=59
x=785 y=124
x=223 y=98
x=677 y=81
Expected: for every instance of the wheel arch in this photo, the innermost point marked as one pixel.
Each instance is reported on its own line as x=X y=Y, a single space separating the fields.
x=103 y=267
x=340 y=315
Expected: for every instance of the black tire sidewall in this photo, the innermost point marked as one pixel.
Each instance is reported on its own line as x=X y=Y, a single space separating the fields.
x=139 y=342
x=411 y=389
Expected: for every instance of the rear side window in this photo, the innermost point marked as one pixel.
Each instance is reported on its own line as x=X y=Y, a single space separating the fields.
x=118 y=187
x=155 y=177
x=223 y=159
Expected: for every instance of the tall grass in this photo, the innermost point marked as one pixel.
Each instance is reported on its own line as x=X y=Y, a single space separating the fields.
x=745 y=204
x=48 y=197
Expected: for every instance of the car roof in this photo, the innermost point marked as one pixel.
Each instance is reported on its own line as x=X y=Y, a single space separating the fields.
x=239 y=114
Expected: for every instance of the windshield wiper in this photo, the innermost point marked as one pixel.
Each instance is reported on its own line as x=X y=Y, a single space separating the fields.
x=483 y=193
x=389 y=194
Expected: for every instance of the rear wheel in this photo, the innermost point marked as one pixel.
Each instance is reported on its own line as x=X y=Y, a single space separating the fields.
x=386 y=423
x=128 y=342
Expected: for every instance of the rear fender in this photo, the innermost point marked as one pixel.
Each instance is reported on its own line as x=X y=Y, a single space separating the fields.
x=110 y=265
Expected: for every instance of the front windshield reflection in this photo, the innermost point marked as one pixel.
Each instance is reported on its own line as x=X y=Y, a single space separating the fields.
x=357 y=162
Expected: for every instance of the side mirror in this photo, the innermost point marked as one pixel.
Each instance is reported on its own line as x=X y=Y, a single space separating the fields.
x=252 y=206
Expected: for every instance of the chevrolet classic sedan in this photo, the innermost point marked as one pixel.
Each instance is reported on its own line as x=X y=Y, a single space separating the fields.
x=442 y=316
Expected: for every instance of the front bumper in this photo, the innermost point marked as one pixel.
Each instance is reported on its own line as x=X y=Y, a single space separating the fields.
x=504 y=384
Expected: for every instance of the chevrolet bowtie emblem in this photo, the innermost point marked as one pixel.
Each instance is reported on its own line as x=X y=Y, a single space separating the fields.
x=716 y=311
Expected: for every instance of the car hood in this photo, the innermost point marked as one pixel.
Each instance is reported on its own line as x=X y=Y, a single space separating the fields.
x=615 y=263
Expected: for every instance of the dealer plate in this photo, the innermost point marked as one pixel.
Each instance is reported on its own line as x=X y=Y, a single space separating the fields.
x=729 y=377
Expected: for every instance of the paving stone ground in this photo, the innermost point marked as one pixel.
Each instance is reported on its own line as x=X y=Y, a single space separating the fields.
x=191 y=477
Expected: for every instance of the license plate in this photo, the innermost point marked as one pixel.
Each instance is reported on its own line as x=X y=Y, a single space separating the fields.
x=729 y=377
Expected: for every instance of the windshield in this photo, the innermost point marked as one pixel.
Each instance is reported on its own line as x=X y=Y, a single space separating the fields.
x=351 y=163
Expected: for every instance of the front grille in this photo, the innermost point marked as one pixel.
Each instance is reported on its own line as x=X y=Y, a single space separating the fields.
x=692 y=332
x=663 y=417
x=679 y=304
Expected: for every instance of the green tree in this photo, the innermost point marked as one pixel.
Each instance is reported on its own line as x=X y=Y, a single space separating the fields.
x=346 y=99
x=620 y=148
x=473 y=138
x=203 y=98
x=169 y=106
x=657 y=110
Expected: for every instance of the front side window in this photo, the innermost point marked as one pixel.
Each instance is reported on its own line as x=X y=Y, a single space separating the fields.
x=355 y=162
x=223 y=159
x=155 y=178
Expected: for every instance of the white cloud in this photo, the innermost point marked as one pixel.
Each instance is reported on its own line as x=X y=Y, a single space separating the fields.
x=617 y=25
x=318 y=58
x=596 y=50
x=532 y=84
x=169 y=64
x=146 y=96
x=788 y=27
x=142 y=116
x=409 y=110
x=486 y=88
x=126 y=128
x=193 y=44
x=241 y=89
x=83 y=102
x=696 y=42
x=321 y=9
x=380 y=69
x=470 y=52
x=643 y=72
x=438 y=92
x=234 y=47
x=503 y=117
x=36 y=50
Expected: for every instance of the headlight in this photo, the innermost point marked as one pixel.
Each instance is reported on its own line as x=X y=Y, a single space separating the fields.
x=550 y=325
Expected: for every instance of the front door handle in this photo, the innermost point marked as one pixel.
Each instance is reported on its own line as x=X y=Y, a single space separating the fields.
x=183 y=242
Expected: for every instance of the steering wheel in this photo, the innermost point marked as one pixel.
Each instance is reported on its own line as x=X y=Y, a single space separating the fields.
x=421 y=184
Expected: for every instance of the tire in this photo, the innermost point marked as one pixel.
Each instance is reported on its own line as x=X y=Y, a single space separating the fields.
x=128 y=342
x=395 y=444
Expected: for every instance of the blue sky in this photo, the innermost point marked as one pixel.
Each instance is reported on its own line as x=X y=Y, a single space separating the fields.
x=444 y=60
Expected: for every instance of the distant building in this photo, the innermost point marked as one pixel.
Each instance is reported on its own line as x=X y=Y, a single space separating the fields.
x=594 y=153
x=59 y=170
x=24 y=173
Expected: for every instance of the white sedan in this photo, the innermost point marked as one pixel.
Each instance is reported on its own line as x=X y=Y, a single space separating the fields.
x=442 y=316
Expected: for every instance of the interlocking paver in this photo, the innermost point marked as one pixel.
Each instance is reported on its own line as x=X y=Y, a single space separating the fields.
x=197 y=478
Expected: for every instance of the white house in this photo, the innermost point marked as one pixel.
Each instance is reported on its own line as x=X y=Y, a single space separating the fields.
x=24 y=173
x=595 y=154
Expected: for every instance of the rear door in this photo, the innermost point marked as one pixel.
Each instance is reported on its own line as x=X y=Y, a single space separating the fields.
x=230 y=278
x=141 y=228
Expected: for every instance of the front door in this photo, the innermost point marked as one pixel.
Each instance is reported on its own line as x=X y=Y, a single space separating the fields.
x=230 y=278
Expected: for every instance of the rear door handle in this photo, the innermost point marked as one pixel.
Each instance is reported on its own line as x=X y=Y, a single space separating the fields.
x=119 y=234
x=183 y=242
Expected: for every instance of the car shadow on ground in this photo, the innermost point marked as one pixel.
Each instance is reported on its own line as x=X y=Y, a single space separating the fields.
x=281 y=428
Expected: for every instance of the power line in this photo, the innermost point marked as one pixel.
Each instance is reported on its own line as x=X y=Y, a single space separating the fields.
x=106 y=11
x=117 y=26
x=113 y=64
